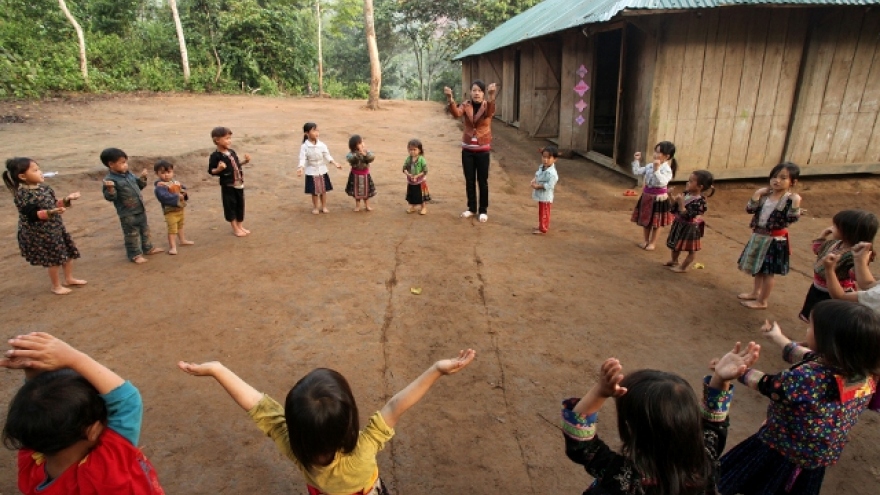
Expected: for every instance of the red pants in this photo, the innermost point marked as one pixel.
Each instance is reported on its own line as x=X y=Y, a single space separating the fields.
x=544 y=216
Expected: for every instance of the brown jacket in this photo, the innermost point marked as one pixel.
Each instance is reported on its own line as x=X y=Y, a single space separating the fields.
x=479 y=125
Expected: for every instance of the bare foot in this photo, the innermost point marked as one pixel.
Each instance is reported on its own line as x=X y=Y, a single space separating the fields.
x=678 y=269
x=155 y=250
x=670 y=263
x=61 y=290
x=187 y=243
x=650 y=247
x=240 y=233
x=747 y=296
x=325 y=210
x=423 y=211
x=642 y=245
x=410 y=210
x=357 y=209
x=753 y=304
x=246 y=231
x=172 y=251
x=74 y=282
x=139 y=259
x=368 y=208
x=315 y=211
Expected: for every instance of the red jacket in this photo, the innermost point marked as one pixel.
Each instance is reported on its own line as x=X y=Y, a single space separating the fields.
x=479 y=125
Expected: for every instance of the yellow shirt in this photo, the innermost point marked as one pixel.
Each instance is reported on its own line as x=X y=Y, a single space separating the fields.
x=348 y=474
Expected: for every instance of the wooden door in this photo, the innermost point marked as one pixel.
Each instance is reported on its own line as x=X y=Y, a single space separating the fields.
x=547 y=70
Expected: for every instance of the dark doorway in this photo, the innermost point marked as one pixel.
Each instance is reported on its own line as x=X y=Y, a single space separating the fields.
x=605 y=92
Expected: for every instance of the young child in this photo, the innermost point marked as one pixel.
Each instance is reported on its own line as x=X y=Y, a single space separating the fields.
x=75 y=423
x=813 y=404
x=869 y=291
x=687 y=228
x=314 y=157
x=416 y=169
x=653 y=210
x=173 y=197
x=849 y=227
x=543 y=185
x=42 y=238
x=360 y=184
x=225 y=164
x=318 y=426
x=671 y=440
x=124 y=190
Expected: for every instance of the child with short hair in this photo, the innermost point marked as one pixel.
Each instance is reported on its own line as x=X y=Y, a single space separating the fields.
x=543 y=185
x=767 y=253
x=124 y=190
x=687 y=228
x=42 y=238
x=172 y=196
x=813 y=404
x=416 y=170
x=360 y=184
x=848 y=228
x=318 y=427
x=75 y=423
x=224 y=164
x=671 y=440
x=314 y=156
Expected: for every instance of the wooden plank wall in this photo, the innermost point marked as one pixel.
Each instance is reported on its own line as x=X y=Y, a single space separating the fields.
x=836 y=117
x=577 y=50
x=724 y=86
x=491 y=70
x=547 y=60
x=508 y=62
x=638 y=77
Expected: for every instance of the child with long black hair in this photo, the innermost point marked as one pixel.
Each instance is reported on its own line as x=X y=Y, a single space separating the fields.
x=313 y=159
x=318 y=428
x=654 y=210
x=360 y=184
x=42 y=238
x=671 y=440
x=687 y=229
x=813 y=404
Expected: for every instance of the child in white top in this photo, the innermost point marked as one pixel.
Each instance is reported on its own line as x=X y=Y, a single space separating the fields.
x=314 y=157
x=654 y=210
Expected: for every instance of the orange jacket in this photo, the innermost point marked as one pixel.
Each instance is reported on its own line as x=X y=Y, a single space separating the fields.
x=482 y=128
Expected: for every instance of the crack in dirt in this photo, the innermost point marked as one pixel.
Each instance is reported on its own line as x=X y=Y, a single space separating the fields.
x=497 y=351
x=743 y=244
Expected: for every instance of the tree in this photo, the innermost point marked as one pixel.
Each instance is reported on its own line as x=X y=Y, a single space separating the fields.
x=83 y=66
x=373 y=50
x=184 y=57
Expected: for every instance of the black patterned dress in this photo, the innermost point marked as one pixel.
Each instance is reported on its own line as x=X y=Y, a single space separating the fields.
x=42 y=242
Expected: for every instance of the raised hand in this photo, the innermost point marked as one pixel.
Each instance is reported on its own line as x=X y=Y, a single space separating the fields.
x=454 y=365
x=733 y=364
x=862 y=250
x=492 y=88
x=220 y=167
x=637 y=156
x=144 y=173
x=195 y=369
x=73 y=196
x=610 y=378
x=247 y=158
x=827 y=232
x=830 y=260
x=109 y=184
x=41 y=351
x=447 y=91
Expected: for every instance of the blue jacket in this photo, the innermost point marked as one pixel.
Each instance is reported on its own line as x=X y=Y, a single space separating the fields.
x=126 y=195
x=169 y=200
x=547 y=177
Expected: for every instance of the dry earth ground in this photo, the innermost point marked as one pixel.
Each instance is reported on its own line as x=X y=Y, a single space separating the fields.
x=308 y=291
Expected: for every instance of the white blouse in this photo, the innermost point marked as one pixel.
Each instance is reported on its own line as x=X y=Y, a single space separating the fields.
x=314 y=157
x=653 y=178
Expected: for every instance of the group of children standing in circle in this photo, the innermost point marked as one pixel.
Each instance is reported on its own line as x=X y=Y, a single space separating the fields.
x=672 y=440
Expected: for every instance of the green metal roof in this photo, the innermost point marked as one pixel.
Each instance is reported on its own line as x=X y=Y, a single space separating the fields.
x=551 y=16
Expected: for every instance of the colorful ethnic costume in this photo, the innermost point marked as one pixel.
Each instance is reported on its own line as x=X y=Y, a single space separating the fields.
x=811 y=412
x=42 y=238
x=360 y=183
x=231 y=183
x=687 y=228
x=614 y=473
x=314 y=157
x=416 y=187
x=355 y=473
x=547 y=177
x=654 y=208
x=845 y=270
x=768 y=250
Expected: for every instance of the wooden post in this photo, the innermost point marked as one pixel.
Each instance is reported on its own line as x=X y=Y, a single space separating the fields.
x=320 y=55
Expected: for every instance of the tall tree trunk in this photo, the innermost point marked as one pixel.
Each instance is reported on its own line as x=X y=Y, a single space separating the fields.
x=373 y=49
x=83 y=66
x=184 y=58
x=320 y=52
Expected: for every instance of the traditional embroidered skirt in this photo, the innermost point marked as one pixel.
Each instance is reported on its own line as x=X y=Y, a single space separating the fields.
x=378 y=489
x=754 y=467
x=653 y=211
x=765 y=255
x=685 y=236
x=315 y=188
x=417 y=194
x=360 y=186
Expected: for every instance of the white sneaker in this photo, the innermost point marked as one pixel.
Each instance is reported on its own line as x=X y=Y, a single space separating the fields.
x=484 y=218
x=467 y=214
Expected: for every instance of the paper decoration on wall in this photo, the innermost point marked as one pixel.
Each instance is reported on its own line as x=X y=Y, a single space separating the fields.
x=581 y=88
x=581 y=106
x=582 y=71
x=580 y=120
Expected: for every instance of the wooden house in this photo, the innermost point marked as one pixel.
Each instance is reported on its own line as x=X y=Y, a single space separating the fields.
x=737 y=85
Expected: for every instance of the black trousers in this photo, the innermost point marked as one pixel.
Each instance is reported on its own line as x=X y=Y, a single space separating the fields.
x=476 y=170
x=233 y=203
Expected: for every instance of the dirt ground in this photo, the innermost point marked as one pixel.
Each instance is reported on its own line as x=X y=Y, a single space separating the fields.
x=306 y=291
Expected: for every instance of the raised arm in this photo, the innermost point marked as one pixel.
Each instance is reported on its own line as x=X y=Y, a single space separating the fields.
x=414 y=392
x=862 y=253
x=606 y=387
x=241 y=392
x=831 y=281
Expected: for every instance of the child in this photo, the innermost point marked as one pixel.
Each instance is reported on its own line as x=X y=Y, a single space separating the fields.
x=653 y=209
x=869 y=291
x=318 y=426
x=360 y=185
x=416 y=169
x=813 y=404
x=671 y=441
x=173 y=197
x=42 y=238
x=687 y=228
x=543 y=186
x=124 y=190
x=314 y=157
x=76 y=429
x=849 y=227
x=225 y=164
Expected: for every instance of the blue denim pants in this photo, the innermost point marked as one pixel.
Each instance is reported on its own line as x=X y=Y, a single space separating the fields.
x=137 y=235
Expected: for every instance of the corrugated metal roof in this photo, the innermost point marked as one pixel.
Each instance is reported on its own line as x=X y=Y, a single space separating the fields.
x=551 y=16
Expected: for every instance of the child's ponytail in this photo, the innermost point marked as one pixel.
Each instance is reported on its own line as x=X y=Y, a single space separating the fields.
x=668 y=149
x=673 y=164
x=15 y=167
